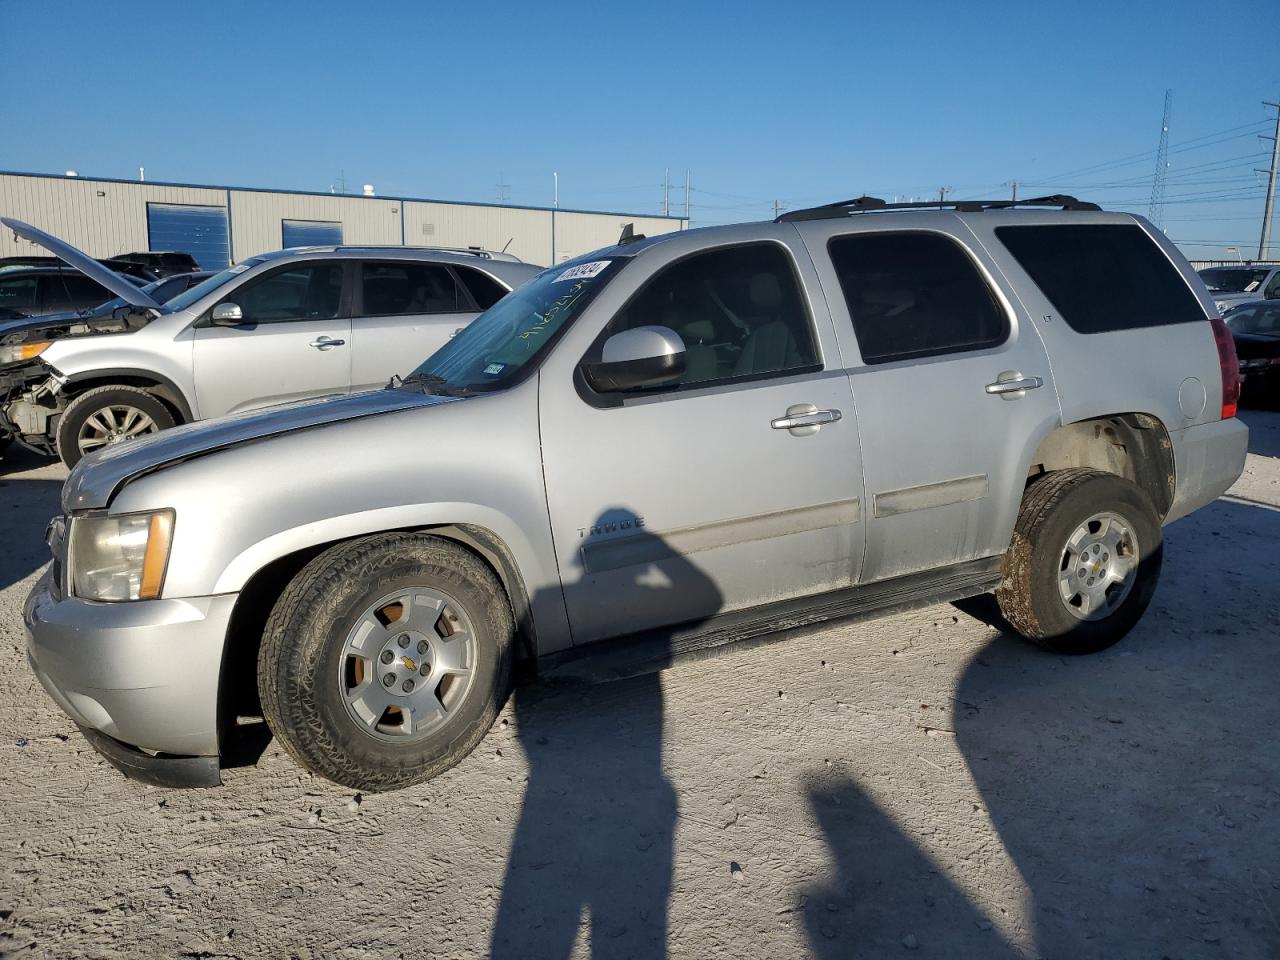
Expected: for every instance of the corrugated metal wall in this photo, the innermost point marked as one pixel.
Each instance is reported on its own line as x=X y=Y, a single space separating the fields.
x=100 y=217
x=105 y=217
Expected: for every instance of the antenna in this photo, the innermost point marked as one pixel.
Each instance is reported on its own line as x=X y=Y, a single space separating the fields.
x=1156 y=212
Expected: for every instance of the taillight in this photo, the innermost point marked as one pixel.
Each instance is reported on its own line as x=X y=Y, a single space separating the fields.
x=1230 y=367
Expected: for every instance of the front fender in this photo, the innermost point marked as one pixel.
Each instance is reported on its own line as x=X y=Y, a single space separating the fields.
x=473 y=463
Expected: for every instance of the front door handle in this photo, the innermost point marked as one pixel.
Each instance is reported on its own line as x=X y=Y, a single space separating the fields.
x=804 y=419
x=1012 y=385
x=324 y=343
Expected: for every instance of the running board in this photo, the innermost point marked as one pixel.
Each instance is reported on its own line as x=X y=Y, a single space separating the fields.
x=657 y=649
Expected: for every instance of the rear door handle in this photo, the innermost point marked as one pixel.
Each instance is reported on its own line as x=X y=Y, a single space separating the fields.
x=324 y=343
x=1011 y=385
x=804 y=419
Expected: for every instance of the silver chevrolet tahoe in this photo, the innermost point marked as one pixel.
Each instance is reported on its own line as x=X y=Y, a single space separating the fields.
x=666 y=445
x=304 y=322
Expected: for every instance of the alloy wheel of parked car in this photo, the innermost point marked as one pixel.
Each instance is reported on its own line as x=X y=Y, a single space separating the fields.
x=386 y=660
x=408 y=663
x=108 y=415
x=1084 y=560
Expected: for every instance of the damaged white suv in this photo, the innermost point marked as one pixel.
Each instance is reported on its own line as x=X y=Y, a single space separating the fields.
x=299 y=323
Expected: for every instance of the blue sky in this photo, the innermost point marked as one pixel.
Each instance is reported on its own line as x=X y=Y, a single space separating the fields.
x=797 y=102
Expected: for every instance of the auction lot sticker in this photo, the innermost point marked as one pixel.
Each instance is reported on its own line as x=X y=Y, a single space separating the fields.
x=583 y=271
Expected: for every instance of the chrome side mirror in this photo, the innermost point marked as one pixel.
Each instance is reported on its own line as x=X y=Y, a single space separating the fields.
x=641 y=357
x=227 y=314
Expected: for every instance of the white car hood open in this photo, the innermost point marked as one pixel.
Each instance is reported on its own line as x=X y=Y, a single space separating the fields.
x=90 y=267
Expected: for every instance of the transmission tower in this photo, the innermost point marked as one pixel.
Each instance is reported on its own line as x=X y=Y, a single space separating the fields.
x=1156 y=213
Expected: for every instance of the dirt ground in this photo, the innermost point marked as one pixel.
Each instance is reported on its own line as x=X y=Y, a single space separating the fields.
x=922 y=785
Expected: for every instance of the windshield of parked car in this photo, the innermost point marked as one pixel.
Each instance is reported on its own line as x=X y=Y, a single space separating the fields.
x=1258 y=319
x=192 y=294
x=1233 y=279
x=503 y=343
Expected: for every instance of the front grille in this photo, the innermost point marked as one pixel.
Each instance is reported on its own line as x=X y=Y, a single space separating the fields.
x=55 y=536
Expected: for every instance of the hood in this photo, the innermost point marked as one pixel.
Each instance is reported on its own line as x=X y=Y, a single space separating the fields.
x=97 y=478
x=83 y=262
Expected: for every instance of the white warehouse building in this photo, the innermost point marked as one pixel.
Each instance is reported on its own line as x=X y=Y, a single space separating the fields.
x=224 y=225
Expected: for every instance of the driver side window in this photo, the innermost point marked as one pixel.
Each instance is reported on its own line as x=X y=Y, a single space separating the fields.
x=307 y=292
x=738 y=311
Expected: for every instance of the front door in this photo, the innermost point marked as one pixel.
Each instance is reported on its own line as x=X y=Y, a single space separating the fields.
x=739 y=485
x=294 y=343
x=952 y=387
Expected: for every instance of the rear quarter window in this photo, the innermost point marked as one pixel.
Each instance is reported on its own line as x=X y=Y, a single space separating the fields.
x=1103 y=277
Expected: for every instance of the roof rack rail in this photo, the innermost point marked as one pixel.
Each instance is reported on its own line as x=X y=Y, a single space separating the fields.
x=865 y=204
x=480 y=252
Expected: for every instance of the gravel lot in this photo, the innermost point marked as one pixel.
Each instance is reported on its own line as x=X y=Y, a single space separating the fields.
x=922 y=785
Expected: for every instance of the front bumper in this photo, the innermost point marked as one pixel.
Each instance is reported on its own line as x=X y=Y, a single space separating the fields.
x=145 y=673
x=1208 y=459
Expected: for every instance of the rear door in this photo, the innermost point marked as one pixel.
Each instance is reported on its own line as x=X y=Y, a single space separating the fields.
x=294 y=343
x=951 y=382
x=404 y=310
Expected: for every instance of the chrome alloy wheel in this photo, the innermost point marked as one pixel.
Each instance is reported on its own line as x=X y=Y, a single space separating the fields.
x=112 y=424
x=1099 y=566
x=407 y=664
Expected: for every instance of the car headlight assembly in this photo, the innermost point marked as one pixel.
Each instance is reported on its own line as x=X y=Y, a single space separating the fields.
x=119 y=558
x=18 y=352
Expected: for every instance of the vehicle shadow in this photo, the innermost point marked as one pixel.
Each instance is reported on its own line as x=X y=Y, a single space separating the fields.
x=596 y=830
x=26 y=505
x=1264 y=429
x=1117 y=782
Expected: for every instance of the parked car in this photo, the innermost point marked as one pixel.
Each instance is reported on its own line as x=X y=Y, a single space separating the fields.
x=38 y=291
x=139 y=272
x=1255 y=327
x=1232 y=285
x=666 y=445
x=163 y=263
x=281 y=326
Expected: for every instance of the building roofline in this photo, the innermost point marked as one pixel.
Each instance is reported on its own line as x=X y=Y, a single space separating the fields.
x=343 y=196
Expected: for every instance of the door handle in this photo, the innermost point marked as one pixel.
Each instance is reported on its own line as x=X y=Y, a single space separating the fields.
x=804 y=419
x=324 y=343
x=1012 y=385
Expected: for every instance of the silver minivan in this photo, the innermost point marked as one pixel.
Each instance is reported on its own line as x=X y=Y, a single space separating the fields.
x=291 y=325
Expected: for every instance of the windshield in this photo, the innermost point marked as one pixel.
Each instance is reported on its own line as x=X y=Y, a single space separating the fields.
x=192 y=294
x=505 y=340
x=1233 y=279
x=1259 y=319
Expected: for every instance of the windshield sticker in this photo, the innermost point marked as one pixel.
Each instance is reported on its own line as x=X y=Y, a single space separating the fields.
x=1252 y=286
x=494 y=369
x=239 y=268
x=583 y=271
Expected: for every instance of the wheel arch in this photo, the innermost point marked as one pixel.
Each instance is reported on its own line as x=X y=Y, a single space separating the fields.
x=157 y=384
x=237 y=683
x=1136 y=446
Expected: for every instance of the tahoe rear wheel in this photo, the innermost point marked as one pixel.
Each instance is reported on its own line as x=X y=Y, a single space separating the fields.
x=386 y=660
x=1084 y=561
x=106 y=416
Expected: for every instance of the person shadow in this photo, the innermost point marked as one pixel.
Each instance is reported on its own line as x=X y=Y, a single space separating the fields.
x=594 y=842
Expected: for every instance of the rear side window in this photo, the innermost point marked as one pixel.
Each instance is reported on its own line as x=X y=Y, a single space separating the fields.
x=915 y=295
x=19 y=293
x=408 y=288
x=1103 y=277
x=485 y=291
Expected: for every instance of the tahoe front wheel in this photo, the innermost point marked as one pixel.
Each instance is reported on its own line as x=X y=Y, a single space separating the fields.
x=386 y=660
x=1084 y=560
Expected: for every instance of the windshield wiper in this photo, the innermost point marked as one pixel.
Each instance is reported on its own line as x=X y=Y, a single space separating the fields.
x=428 y=383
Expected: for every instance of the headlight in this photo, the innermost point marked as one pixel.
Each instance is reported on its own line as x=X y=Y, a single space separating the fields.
x=119 y=558
x=22 y=351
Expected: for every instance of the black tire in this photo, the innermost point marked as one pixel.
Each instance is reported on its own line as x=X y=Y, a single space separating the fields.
x=6 y=441
x=1054 y=507
x=303 y=654
x=98 y=400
